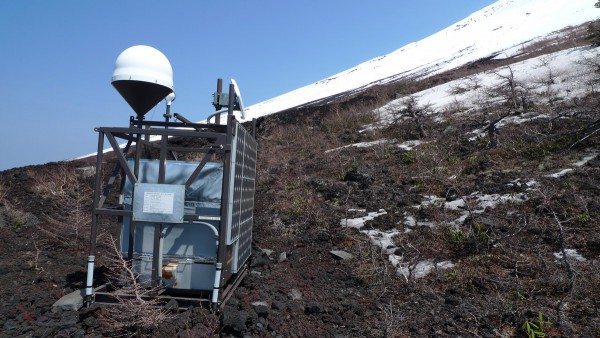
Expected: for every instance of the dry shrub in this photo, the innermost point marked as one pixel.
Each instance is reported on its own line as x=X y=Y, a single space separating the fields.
x=298 y=204
x=54 y=183
x=199 y=322
x=137 y=312
x=342 y=125
x=371 y=266
x=70 y=193
x=12 y=213
x=16 y=217
x=3 y=193
x=393 y=318
x=34 y=256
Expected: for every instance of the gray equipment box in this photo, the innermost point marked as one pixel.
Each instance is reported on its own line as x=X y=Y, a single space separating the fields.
x=189 y=250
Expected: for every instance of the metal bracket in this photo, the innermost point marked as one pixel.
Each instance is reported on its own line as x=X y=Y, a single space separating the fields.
x=220 y=99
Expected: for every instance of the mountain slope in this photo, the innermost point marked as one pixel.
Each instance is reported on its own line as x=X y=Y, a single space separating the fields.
x=499 y=30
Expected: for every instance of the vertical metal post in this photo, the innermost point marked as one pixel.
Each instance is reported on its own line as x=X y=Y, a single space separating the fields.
x=222 y=249
x=167 y=115
x=216 y=297
x=138 y=148
x=97 y=187
x=130 y=241
x=162 y=169
x=225 y=199
x=231 y=99
x=157 y=247
x=218 y=106
x=97 y=191
x=136 y=172
x=156 y=255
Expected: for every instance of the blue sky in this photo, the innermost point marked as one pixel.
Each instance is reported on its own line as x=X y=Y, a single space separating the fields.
x=58 y=56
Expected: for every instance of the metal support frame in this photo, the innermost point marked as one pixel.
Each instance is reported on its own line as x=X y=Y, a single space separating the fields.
x=220 y=140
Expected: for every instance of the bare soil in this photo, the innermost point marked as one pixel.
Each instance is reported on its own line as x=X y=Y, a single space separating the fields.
x=509 y=260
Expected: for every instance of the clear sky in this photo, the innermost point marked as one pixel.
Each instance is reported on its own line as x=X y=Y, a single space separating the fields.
x=57 y=57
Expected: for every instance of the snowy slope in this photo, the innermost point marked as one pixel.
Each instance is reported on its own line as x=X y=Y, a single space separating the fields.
x=566 y=74
x=497 y=30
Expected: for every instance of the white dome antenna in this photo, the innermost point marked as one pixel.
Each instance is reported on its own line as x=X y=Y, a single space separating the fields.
x=143 y=76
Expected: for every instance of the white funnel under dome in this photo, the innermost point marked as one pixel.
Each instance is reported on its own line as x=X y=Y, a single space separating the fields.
x=143 y=76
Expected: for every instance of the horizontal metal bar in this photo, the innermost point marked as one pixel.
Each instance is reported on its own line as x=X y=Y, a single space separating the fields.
x=168 y=132
x=219 y=148
x=120 y=212
x=113 y=212
x=177 y=259
x=192 y=218
x=109 y=298
x=184 y=123
x=225 y=149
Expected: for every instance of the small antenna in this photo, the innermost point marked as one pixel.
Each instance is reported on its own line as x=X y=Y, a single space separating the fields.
x=231 y=100
x=170 y=98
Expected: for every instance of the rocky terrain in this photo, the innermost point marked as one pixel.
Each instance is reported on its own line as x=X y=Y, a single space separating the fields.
x=407 y=226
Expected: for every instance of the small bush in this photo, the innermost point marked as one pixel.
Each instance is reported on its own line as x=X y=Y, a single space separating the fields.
x=138 y=313
x=535 y=329
x=408 y=157
x=473 y=241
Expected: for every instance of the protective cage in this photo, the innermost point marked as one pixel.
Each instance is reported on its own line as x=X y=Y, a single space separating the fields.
x=186 y=226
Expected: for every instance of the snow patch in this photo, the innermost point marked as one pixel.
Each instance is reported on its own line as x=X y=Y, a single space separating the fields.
x=383 y=239
x=362 y=145
x=560 y=173
x=422 y=268
x=591 y=154
x=571 y=253
x=359 y=222
x=409 y=145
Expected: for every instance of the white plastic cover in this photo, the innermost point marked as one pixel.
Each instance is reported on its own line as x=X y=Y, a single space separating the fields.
x=143 y=63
